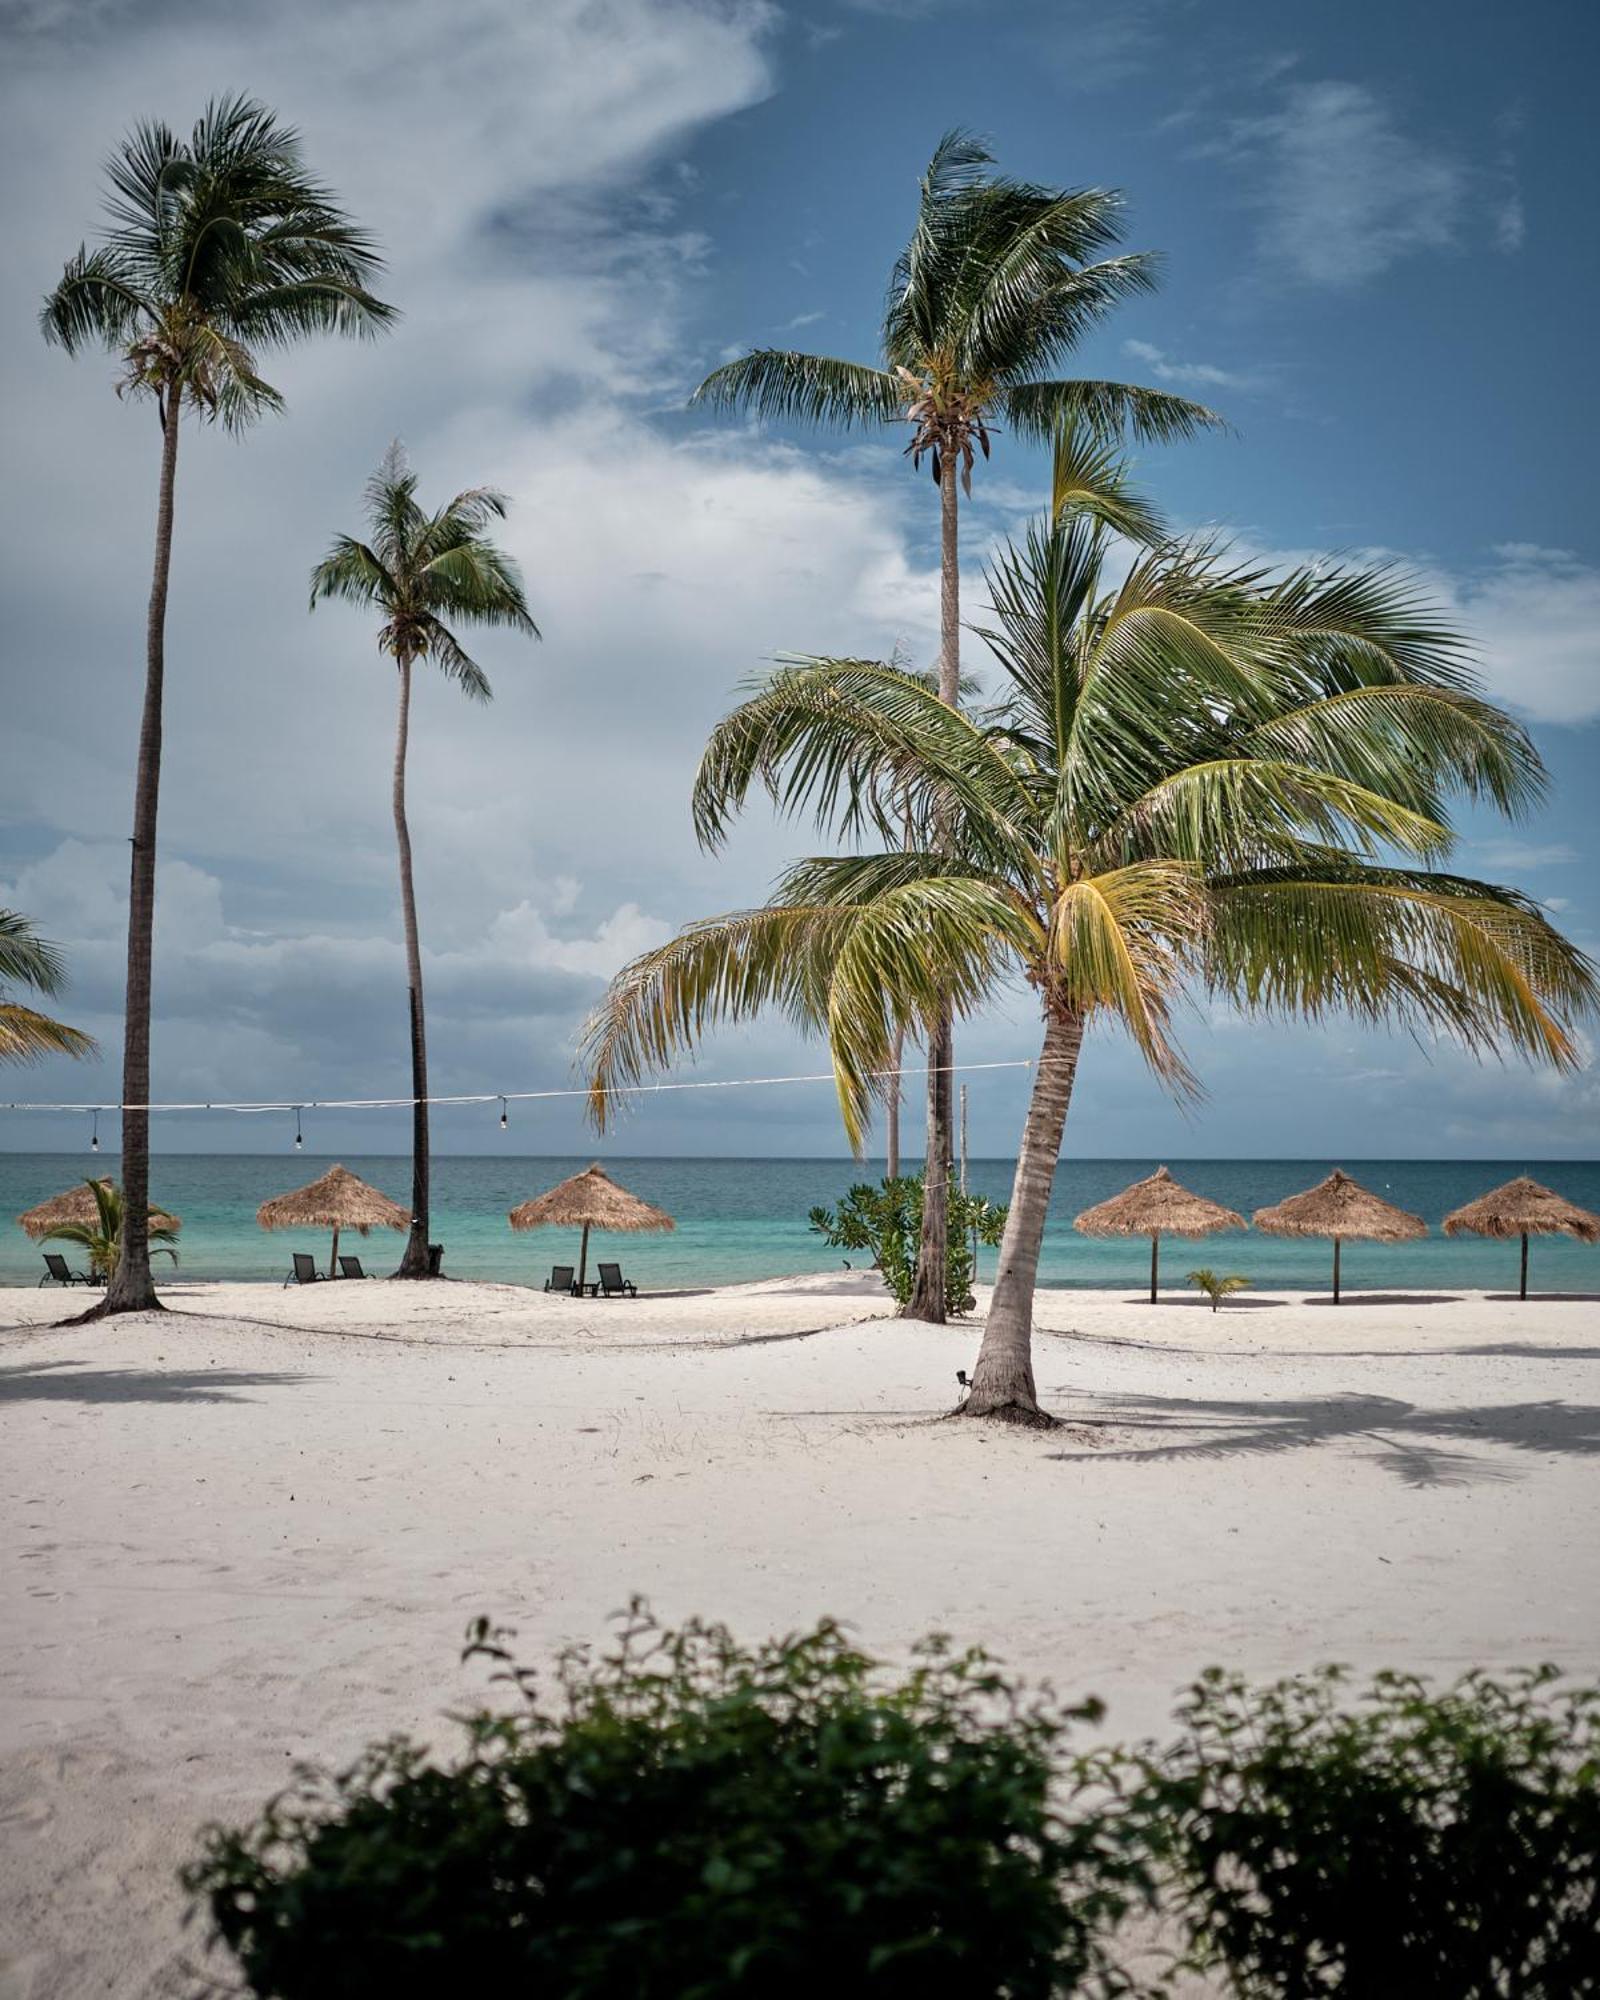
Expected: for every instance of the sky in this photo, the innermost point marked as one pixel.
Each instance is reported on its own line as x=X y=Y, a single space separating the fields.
x=1379 y=262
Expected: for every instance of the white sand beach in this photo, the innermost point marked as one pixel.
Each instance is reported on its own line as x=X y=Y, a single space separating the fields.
x=255 y=1528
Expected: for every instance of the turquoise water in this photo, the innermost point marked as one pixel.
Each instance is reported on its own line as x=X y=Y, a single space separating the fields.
x=741 y=1219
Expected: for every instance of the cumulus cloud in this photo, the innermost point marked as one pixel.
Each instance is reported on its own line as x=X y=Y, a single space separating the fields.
x=1535 y=615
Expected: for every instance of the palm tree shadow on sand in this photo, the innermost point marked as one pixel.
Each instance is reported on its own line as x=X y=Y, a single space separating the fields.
x=1415 y=1445
x=44 y=1382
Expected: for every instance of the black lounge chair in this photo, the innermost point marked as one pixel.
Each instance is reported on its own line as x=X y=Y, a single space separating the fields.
x=435 y=1259
x=305 y=1271
x=350 y=1267
x=56 y=1271
x=560 y=1278
x=613 y=1285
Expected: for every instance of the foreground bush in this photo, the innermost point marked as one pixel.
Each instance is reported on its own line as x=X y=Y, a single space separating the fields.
x=692 y=1820
x=1415 y=1845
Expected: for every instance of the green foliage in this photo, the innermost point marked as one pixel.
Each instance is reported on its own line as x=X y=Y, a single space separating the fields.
x=887 y=1220
x=1216 y=1287
x=28 y=960
x=101 y=1240
x=216 y=246
x=1436 y=1846
x=692 y=1820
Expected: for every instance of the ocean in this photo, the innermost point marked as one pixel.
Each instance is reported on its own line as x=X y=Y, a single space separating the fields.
x=742 y=1219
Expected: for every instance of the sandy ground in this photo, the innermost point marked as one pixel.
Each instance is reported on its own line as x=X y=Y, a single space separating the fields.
x=255 y=1528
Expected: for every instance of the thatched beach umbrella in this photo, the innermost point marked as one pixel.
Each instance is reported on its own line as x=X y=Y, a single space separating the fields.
x=75 y=1206
x=1523 y=1208
x=338 y=1200
x=1153 y=1207
x=1340 y=1207
x=590 y=1200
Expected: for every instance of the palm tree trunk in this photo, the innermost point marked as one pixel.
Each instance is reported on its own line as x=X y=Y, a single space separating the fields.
x=1002 y=1378
x=891 y=1144
x=132 y=1289
x=927 y=1291
x=414 y=1264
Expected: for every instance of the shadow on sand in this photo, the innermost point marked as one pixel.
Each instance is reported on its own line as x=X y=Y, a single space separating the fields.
x=41 y=1382
x=1405 y=1440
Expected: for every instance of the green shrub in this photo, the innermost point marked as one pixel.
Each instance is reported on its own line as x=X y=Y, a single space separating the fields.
x=1217 y=1287
x=1414 y=1845
x=691 y=1820
x=887 y=1220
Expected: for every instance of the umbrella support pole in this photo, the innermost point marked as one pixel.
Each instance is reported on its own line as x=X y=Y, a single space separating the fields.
x=1522 y=1291
x=1155 y=1263
x=333 y=1254
x=1337 y=1246
x=583 y=1259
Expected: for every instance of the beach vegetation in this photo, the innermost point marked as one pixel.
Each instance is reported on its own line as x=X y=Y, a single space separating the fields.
x=886 y=1219
x=216 y=247
x=101 y=1240
x=1217 y=1287
x=1202 y=774
x=686 y=1815
x=1000 y=282
x=34 y=964
x=426 y=575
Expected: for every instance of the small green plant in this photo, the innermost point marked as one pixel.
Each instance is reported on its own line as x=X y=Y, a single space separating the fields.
x=1396 y=1841
x=887 y=1220
x=691 y=1817
x=101 y=1240
x=1216 y=1287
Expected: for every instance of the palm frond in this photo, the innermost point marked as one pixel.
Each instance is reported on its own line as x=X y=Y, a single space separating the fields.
x=97 y=302
x=28 y=1036
x=783 y=386
x=1112 y=410
x=1120 y=943
x=1087 y=477
x=353 y=572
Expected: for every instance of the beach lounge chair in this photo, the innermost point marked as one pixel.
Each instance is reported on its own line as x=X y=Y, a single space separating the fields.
x=56 y=1271
x=435 y=1259
x=613 y=1285
x=305 y=1271
x=350 y=1267
x=560 y=1278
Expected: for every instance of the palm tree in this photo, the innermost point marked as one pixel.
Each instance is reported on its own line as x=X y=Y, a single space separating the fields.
x=101 y=1240
x=216 y=247
x=420 y=570
x=1000 y=281
x=28 y=960
x=1200 y=775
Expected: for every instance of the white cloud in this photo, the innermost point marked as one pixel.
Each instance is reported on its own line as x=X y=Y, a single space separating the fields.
x=1346 y=191
x=1191 y=374
x=1534 y=614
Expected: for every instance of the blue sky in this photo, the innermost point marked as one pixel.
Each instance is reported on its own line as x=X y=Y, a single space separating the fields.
x=1380 y=264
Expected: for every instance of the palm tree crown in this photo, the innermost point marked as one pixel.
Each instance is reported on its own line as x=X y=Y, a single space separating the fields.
x=999 y=282
x=216 y=246
x=421 y=570
x=30 y=961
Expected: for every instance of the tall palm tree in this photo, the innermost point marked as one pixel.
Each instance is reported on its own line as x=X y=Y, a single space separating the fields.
x=420 y=570
x=1000 y=281
x=216 y=246
x=30 y=961
x=1200 y=775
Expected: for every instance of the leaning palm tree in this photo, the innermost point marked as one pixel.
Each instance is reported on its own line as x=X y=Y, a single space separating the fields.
x=101 y=1240
x=216 y=247
x=30 y=961
x=1201 y=774
x=999 y=283
x=421 y=570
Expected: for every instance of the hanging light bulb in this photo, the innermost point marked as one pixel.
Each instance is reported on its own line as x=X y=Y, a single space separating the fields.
x=94 y=1136
x=504 y=1120
x=299 y=1140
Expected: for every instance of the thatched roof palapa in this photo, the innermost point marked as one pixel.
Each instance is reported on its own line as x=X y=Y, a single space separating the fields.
x=1340 y=1207
x=1523 y=1207
x=338 y=1200
x=590 y=1200
x=1155 y=1207
x=76 y=1205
